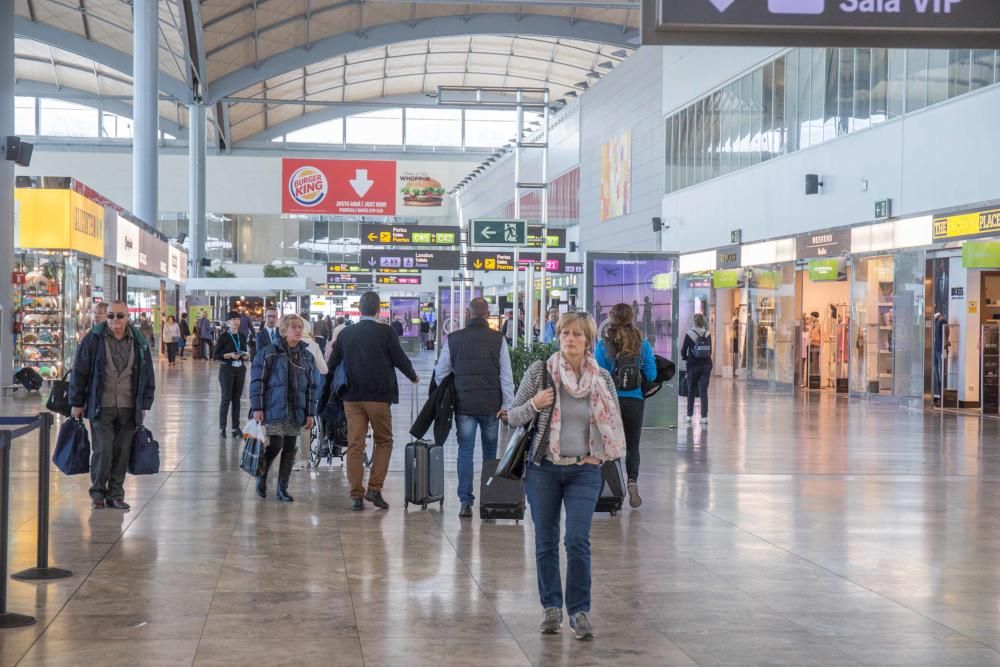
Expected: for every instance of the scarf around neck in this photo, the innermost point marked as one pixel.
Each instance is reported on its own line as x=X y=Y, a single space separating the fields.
x=604 y=410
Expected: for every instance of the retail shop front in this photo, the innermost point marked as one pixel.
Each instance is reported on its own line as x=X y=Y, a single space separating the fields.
x=60 y=242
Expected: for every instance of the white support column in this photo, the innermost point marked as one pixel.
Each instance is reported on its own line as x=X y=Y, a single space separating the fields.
x=6 y=190
x=145 y=98
x=196 y=187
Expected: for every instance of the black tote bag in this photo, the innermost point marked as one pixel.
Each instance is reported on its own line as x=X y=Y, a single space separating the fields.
x=512 y=463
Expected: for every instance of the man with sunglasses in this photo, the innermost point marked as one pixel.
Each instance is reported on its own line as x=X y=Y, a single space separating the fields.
x=112 y=385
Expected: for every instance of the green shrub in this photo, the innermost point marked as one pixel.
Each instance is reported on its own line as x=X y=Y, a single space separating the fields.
x=271 y=271
x=221 y=272
x=521 y=358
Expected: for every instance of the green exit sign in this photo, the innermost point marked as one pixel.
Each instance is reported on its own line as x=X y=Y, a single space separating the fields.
x=883 y=209
x=499 y=232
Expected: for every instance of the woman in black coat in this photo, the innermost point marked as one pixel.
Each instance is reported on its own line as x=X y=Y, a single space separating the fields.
x=232 y=350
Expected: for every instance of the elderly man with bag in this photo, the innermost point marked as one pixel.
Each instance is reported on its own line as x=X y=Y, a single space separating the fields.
x=112 y=385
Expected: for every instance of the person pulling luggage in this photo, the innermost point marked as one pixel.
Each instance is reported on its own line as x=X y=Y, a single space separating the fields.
x=484 y=388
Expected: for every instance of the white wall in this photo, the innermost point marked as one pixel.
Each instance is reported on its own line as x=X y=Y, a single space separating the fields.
x=691 y=71
x=940 y=158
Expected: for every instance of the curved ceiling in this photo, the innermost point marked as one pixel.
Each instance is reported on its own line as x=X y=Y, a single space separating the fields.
x=323 y=50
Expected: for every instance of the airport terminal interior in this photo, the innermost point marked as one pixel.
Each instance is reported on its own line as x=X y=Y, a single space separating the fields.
x=590 y=332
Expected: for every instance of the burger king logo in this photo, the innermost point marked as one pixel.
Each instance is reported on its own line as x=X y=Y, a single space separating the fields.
x=307 y=186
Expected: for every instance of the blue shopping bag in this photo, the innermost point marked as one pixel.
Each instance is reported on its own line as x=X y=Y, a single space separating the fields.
x=72 y=455
x=144 y=459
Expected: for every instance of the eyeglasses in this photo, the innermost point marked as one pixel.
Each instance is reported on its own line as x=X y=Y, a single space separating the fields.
x=117 y=316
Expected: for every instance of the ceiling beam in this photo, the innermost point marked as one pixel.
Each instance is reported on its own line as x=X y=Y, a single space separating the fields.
x=224 y=124
x=448 y=26
x=100 y=53
x=195 y=39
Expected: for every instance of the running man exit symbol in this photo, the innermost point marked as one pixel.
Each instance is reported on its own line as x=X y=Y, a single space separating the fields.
x=510 y=233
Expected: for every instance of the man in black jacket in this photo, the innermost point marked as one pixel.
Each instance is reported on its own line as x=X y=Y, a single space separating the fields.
x=484 y=389
x=112 y=385
x=372 y=353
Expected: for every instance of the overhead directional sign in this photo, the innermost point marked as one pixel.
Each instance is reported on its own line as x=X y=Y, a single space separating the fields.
x=418 y=260
x=556 y=238
x=504 y=261
x=344 y=267
x=398 y=280
x=381 y=235
x=499 y=233
x=349 y=278
x=875 y=23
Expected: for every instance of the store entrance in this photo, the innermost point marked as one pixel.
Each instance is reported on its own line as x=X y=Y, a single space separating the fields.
x=824 y=326
x=731 y=318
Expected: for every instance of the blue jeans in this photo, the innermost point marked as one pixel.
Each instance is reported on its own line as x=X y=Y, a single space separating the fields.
x=489 y=428
x=549 y=488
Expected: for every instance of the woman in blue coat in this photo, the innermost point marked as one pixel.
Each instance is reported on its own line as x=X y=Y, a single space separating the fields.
x=284 y=392
x=629 y=359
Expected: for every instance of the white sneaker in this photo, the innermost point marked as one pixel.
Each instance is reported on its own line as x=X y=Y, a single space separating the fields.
x=687 y=419
x=704 y=420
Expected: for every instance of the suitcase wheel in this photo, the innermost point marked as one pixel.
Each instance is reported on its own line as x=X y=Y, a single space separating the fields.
x=614 y=512
x=441 y=504
x=406 y=504
x=424 y=506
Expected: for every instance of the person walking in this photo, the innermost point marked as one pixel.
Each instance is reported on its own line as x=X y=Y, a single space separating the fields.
x=268 y=334
x=284 y=393
x=484 y=389
x=629 y=359
x=372 y=353
x=185 y=334
x=171 y=336
x=334 y=334
x=204 y=327
x=146 y=329
x=549 y=335
x=314 y=349
x=100 y=312
x=579 y=428
x=234 y=354
x=112 y=385
x=697 y=354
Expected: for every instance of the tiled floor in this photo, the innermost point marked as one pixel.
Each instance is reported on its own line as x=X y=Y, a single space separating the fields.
x=788 y=532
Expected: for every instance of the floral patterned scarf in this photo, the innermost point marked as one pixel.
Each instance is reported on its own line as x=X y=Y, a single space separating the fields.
x=604 y=411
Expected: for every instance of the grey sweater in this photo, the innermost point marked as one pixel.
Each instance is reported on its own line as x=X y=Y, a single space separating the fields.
x=521 y=413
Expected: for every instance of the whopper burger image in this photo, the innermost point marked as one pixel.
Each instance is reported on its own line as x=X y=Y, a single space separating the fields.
x=421 y=190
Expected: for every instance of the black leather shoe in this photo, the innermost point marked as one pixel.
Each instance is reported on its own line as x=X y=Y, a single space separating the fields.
x=222 y=432
x=376 y=499
x=117 y=504
x=237 y=433
x=282 y=495
x=465 y=512
x=262 y=486
x=357 y=505
x=97 y=504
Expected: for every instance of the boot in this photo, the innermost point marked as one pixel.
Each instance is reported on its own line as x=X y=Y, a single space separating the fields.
x=284 y=474
x=262 y=479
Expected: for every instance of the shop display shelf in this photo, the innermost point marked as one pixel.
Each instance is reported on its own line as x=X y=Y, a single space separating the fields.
x=36 y=311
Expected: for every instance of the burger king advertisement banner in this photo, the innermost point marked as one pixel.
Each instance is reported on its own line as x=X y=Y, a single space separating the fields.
x=339 y=187
x=367 y=187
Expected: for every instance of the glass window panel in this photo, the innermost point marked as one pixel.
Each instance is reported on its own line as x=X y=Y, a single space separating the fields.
x=937 y=76
x=896 y=103
x=757 y=115
x=778 y=125
x=959 y=72
x=766 y=110
x=819 y=85
x=726 y=143
x=879 y=86
x=845 y=93
x=383 y=127
x=434 y=127
x=862 y=88
x=24 y=114
x=746 y=119
x=983 y=68
x=803 y=106
x=716 y=133
x=114 y=126
x=831 y=96
x=682 y=179
x=695 y=154
x=675 y=152
x=489 y=129
x=326 y=132
x=65 y=119
x=789 y=122
x=689 y=149
x=668 y=173
x=916 y=79
x=703 y=139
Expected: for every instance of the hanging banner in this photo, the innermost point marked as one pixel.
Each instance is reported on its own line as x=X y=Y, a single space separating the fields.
x=338 y=187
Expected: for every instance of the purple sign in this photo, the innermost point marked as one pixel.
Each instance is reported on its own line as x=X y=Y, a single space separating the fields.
x=645 y=283
x=450 y=320
x=406 y=311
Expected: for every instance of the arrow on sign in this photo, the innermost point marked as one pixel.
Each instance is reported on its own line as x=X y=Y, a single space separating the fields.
x=477 y=264
x=722 y=5
x=373 y=237
x=488 y=232
x=371 y=261
x=362 y=185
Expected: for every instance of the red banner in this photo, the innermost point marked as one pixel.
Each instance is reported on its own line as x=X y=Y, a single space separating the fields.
x=338 y=187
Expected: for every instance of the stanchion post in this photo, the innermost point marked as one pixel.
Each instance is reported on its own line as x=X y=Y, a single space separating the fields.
x=42 y=571
x=7 y=619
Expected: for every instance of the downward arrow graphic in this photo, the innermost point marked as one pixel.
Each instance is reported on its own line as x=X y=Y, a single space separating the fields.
x=362 y=185
x=722 y=5
x=371 y=261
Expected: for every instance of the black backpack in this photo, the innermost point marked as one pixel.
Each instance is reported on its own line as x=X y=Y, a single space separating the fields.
x=702 y=348
x=627 y=374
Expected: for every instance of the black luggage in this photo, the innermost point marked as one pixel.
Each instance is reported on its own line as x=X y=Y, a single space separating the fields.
x=424 y=469
x=28 y=378
x=612 y=488
x=500 y=498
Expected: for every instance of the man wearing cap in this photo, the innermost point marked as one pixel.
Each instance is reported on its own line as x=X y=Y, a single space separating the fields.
x=234 y=354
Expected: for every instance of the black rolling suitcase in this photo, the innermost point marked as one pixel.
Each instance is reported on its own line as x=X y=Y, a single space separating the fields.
x=612 y=489
x=500 y=498
x=424 y=469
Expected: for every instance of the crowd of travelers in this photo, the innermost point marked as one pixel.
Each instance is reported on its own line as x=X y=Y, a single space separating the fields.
x=581 y=408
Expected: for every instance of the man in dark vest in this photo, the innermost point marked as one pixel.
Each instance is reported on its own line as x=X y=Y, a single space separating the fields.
x=484 y=391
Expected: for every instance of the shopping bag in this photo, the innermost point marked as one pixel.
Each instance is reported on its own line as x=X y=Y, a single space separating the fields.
x=254 y=442
x=72 y=455
x=144 y=459
x=59 y=397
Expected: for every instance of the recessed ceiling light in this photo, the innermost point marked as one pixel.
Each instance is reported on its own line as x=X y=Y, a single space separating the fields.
x=593 y=75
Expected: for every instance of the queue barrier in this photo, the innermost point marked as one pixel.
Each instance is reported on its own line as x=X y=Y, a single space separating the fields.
x=10 y=429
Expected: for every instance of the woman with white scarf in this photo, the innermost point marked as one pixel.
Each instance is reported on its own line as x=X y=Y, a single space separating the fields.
x=579 y=427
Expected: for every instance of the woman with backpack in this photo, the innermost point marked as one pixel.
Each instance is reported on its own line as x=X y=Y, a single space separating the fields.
x=629 y=360
x=697 y=353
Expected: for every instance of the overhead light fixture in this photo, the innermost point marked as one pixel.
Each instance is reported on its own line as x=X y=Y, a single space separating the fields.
x=571 y=93
x=607 y=64
x=620 y=53
x=583 y=84
x=593 y=75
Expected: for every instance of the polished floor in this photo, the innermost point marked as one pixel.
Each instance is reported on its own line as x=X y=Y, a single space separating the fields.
x=789 y=531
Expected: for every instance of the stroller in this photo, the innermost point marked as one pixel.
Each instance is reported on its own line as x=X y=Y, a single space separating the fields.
x=328 y=440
